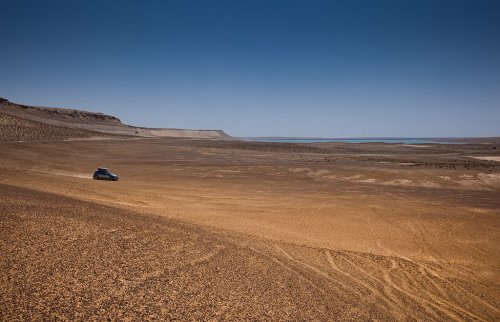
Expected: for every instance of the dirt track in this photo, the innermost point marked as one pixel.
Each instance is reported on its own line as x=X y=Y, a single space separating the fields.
x=198 y=230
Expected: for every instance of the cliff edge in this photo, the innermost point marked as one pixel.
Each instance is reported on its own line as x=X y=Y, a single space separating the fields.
x=14 y=115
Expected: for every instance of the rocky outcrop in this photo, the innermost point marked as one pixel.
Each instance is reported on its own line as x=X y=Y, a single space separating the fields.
x=97 y=122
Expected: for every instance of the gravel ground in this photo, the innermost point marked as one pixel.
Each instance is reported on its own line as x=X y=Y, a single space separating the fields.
x=17 y=129
x=222 y=232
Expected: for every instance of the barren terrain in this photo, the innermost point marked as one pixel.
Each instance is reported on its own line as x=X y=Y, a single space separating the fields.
x=20 y=123
x=214 y=230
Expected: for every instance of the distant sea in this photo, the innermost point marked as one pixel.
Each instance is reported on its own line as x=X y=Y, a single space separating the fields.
x=354 y=140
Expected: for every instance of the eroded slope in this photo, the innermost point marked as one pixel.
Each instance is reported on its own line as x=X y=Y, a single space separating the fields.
x=97 y=122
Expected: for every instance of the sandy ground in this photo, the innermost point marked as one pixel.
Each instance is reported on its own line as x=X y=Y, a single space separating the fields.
x=491 y=158
x=198 y=230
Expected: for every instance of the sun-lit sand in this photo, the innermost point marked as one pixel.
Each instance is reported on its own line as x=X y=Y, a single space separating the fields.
x=232 y=230
x=489 y=158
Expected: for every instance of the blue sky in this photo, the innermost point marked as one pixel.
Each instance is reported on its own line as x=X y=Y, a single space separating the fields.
x=352 y=68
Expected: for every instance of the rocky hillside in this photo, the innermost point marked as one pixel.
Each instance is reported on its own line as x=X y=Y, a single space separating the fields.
x=86 y=121
x=18 y=129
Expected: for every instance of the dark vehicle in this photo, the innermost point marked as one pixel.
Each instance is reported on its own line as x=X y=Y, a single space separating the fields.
x=104 y=174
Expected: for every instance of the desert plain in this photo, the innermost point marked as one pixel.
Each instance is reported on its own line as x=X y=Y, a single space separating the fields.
x=204 y=229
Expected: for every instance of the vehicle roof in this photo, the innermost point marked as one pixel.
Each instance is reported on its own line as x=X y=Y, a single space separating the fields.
x=102 y=168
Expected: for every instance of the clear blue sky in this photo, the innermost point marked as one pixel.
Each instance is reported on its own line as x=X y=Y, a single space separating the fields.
x=254 y=68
